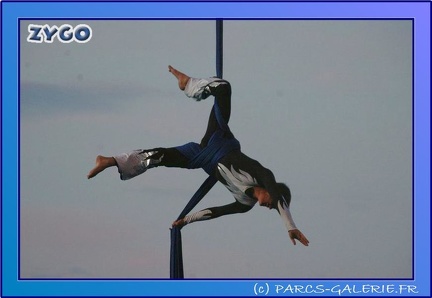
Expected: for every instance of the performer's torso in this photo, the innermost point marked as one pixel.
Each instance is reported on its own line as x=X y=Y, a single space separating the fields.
x=240 y=173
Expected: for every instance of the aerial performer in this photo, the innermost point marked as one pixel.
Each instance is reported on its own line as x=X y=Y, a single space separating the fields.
x=219 y=154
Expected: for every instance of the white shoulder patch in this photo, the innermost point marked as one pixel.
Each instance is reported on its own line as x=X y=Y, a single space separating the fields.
x=238 y=183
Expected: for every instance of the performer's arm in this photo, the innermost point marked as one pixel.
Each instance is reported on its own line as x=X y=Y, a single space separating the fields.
x=212 y=212
x=268 y=180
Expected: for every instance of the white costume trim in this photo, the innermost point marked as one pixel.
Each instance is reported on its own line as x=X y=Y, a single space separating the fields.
x=286 y=216
x=198 y=216
x=238 y=183
x=135 y=163
x=197 y=88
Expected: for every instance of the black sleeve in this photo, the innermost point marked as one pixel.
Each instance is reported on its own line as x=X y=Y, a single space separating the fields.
x=215 y=212
x=232 y=208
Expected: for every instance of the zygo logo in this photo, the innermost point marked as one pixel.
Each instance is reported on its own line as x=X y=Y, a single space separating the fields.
x=65 y=33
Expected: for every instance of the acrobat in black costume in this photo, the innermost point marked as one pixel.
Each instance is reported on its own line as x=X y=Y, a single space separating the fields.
x=219 y=154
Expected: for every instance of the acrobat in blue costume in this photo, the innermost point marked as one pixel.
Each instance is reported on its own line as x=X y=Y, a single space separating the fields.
x=219 y=155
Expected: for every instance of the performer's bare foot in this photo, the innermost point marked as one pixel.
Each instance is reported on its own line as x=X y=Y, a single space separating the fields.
x=181 y=77
x=102 y=163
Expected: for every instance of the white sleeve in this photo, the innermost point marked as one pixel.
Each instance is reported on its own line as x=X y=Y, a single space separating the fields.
x=286 y=216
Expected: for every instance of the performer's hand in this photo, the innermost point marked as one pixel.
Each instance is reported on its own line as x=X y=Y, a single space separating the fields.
x=179 y=223
x=296 y=234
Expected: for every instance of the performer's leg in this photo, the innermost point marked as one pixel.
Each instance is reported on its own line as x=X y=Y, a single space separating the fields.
x=138 y=161
x=222 y=93
x=200 y=89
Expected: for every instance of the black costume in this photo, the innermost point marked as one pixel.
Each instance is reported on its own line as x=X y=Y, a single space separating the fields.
x=238 y=172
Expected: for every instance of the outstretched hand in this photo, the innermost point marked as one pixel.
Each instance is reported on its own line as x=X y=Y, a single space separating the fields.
x=179 y=223
x=296 y=234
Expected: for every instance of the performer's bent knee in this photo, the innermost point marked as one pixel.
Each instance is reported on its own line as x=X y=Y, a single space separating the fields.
x=221 y=89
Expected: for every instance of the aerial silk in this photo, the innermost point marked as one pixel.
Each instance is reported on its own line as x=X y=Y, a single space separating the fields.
x=206 y=158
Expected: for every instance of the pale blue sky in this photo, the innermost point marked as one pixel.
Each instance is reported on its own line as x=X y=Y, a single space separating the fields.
x=326 y=105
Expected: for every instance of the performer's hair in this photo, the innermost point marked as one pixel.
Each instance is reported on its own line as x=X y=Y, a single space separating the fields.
x=285 y=192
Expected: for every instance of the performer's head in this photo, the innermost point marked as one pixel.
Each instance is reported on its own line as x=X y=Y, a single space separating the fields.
x=264 y=199
x=286 y=196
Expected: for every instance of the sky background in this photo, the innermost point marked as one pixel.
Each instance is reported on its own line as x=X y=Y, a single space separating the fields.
x=326 y=105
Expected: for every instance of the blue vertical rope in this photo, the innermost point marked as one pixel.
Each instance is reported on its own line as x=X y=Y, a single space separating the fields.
x=176 y=261
x=219 y=48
